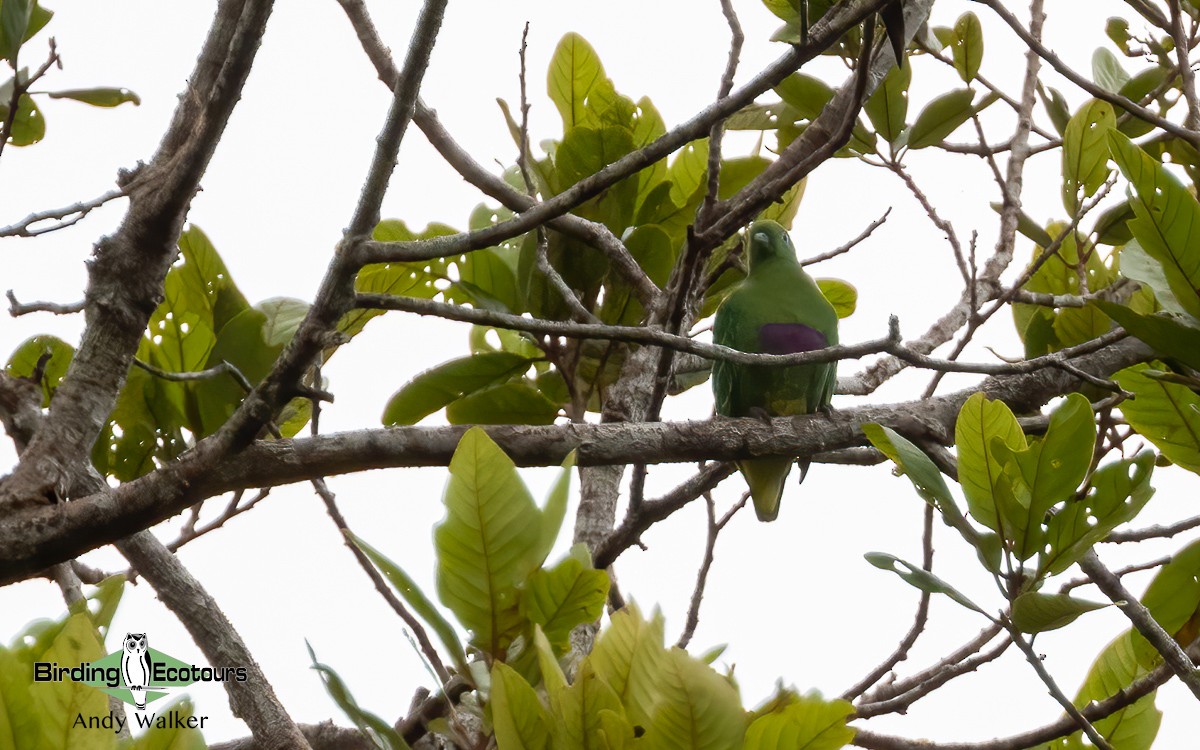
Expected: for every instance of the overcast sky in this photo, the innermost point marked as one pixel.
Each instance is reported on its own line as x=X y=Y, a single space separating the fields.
x=794 y=599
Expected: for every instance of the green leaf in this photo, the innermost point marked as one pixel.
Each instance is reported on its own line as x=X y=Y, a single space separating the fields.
x=416 y=599
x=1137 y=89
x=1026 y=225
x=1085 y=152
x=518 y=718
x=575 y=70
x=887 y=106
x=1035 y=612
x=14 y=23
x=1046 y=472
x=25 y=358
x=629 y=656
x=98 y=97
x=841 y=294
x=580 y=707
x=555 y=510
x=1166 y=414
x=921 y=579
x=912 y=462
x=698 y=710
x=967 y=46
x=1056 y=108
x=940 y=118
x=1116 y=493
x=516 y=402
x=28 y=126
x=107 y=598
x=1171 y=337
x=1168 y=219
x=1130 y=728
x=805 y=723
x=981 y=422
x=486 y=544
x=1107 y=71
x=553 y=678
x=378 y=730
x=1112 y=227
x=1137 y=264
x=1173 y=598
x=449 y=382
x=562 y=597
x=805 y=94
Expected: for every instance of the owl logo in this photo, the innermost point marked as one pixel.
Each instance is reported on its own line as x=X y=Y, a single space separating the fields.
x=135 y=667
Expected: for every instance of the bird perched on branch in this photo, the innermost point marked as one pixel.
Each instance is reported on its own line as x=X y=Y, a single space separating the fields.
x=777 y=309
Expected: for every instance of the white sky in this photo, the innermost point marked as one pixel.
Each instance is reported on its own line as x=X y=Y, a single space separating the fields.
x=794 y=599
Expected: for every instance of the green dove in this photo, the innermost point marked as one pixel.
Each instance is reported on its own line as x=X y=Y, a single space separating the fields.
x=777 y=309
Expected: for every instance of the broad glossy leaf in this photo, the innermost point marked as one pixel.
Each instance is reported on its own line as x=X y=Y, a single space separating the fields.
x=980 y=422
x=99 y=97
x=841 y=294
x=56 y=704
x=967 y=46
x=1173 y=598
x=698 y=709
x=562 y=597
x=448 y=382
x=1046 y=472
x=1173 y=337
x=804 y=723
x=1107 y=71
x=29 y=126
x=887 y=106
x=1137 y=89
x=1166 y=414
x=14 y=24
x=486 y=544
x=575 y=70
x=629 y=656
x=1056 y=107
x=912 y=462
x=1131 y=728
x=940 y=118
x=1137 y=264
x=1112 y=227
x=25 y=358
x=921 y=579
x=1026 y=225
x=518 y=718
x=1085 y=152
x=416 y=599
x=805 y=94
x=1168 y=219
x=515 y=402
x=579 y=709
x=1116 y=494
x=1035 y=612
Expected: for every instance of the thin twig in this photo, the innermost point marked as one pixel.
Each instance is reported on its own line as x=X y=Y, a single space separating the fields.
x=20 y=87
x=849 y=245
x=714 y=529
x=1055 y=691
x=1075 y=583
x=76 y=212
x=715 y=133
x=1153 y=532
x=17 y=309
x=918 y=626
x=1187 y=76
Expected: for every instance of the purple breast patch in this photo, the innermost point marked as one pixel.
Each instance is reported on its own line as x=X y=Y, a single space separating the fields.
x=789 y=338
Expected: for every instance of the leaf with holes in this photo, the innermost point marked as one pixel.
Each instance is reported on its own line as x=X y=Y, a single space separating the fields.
x=921 y=579
x=1085 y=152
x=1116 y=493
